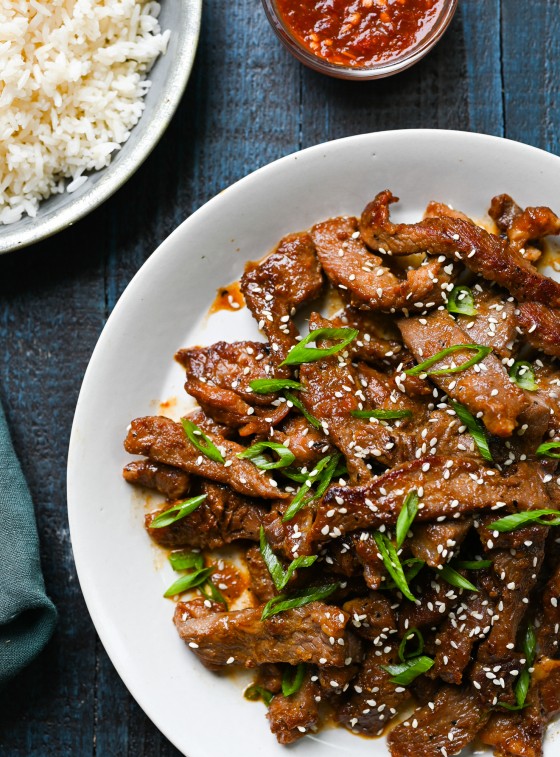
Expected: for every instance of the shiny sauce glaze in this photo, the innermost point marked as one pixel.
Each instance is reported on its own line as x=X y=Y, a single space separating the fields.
x=359 y=33
x=228 y=298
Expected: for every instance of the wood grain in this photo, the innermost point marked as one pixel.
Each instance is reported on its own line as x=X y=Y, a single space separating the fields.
x=248 y=102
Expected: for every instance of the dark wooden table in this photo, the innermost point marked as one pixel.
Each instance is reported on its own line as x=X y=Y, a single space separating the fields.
x=248 y=102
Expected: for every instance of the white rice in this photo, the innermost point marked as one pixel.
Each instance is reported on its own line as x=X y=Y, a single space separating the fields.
x=72 y=82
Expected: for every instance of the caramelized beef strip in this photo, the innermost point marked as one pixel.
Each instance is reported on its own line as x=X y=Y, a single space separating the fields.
x=290 y=538
x=230 y=366
x=172 y=482
x=377 y=338
x=541 y=326
x=361 y=278
x=483 y=388
x=262 y=585
x=222 y=518
x=335 y=681
x=547 y=678
x=510 y=587
x=225 y=406
x=332 y=392
x=290 y=718
x=367 y=553
x=374 y=700
x=457 y=636
x=495 y=323
x=548 y=633
x=278 y=285
x=548 y=395
x=435 y=599
x=446 y=727
x=503 y=211
x=480 y=251
x=372 y=617
x=450 y=488
x=209 y=425
x=163 y=441
x=307 y=443
x=437 y=209
x=218 y=377
x=522 y=226
x=335 y=388
x=427 y=430
x=435 y=543
x=521 y=734
x=293 y=636
x=516 y=734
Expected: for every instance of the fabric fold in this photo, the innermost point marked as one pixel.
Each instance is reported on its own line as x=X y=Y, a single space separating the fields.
x=27 y=615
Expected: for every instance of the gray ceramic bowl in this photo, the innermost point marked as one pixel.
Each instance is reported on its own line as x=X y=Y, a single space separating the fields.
x=169 y=77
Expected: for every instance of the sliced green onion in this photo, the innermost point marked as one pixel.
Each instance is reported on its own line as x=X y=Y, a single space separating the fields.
x=292 y=681
x=326 y=478
x=480 y=350
x=277 y=573
x=184 y=560
x=476 y=429
x=272 y=562
x=210 y=591
x=201 y=441
x=522 y=374
x=283 y=602
x=189 y=581
x=530 y=645
x=296 y=402
x=544 y=450
x=461 y=301
x=301 y=353
x=267 y=386
x=456 y=579
x=393 y=564
x=285 y=457
x=294 y=474
x=472 y=564
x=518 y=520
x=524 y=681
x=299 y=562
x=301 y=500
x=382 y=415
x=406 y=672
x=254 y=692
x=413 y=633
x=415 y=566
x=522 y=687
x=178 y=511
x=406 y=516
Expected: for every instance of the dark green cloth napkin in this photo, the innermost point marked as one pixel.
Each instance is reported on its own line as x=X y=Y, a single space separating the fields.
x=27 y=615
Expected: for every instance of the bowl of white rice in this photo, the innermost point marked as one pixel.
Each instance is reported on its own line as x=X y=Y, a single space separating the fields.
x=87 y=88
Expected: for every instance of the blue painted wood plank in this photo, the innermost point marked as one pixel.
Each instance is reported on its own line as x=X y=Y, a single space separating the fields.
x=51 y=309
x=531 y=66
x=482 y=44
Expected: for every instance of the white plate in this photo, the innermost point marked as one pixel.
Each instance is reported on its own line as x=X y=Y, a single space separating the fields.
x=132 y=369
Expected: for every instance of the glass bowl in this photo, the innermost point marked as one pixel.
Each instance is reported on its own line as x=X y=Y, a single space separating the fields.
x=408 y=58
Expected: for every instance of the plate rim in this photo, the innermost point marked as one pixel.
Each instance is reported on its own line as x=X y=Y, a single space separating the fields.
x=152 y=261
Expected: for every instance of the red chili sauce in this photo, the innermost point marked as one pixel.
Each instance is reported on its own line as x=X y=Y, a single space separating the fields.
x=359 y=33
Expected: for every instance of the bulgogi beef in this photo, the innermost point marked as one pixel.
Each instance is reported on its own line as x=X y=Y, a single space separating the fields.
x=392 y=491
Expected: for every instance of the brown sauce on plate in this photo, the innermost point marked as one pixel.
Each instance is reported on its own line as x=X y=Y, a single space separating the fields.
x=228 y=298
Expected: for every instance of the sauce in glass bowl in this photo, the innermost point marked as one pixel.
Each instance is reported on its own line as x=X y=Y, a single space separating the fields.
x=371 y=37
x=361 y=32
